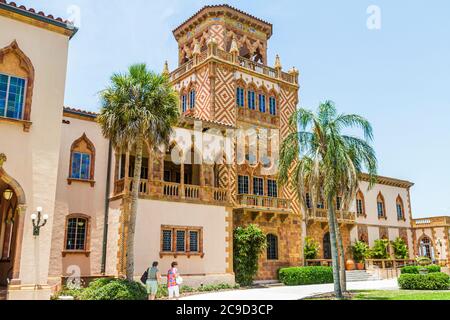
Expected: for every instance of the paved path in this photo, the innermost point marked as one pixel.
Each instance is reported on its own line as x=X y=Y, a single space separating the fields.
x=292 y=293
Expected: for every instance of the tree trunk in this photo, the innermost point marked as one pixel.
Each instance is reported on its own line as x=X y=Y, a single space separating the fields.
x=334 y=251
x=134 y=207
x=343 y=276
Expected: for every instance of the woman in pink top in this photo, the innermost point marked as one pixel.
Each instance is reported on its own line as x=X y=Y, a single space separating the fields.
x=172 y=274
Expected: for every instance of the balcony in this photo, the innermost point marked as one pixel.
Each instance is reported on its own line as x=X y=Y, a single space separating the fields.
x=263 y=203
x=321 y=215
x=258 y=117
x=213 y=52
x=431 y=222
x=161 y=190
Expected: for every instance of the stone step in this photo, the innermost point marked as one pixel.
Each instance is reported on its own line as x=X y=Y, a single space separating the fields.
x=360 y=275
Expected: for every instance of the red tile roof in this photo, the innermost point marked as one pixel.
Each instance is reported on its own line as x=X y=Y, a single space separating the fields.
x=80 y=112
x=39 y=15
x=226 y=6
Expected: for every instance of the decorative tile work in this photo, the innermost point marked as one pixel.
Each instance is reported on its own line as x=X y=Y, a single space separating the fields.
x=202 y=109
x=225 y=111
x=217 y=32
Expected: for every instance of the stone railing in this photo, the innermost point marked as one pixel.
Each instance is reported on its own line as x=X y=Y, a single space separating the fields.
x=431 y=222
x=389 y=263
x=263 y=202
x=322 y=215
x=319 y=262
x=233 y=59
x=174 y=191
x=256 y=115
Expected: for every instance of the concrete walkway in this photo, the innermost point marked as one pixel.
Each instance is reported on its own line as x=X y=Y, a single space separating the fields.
x=292 y=293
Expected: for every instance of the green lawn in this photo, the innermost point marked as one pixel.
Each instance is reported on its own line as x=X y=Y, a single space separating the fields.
x=401 y=295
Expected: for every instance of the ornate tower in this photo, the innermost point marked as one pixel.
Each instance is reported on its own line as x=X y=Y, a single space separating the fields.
x=223 y=78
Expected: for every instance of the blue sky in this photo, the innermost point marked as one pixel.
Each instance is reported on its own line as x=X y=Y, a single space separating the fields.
x=398 y=77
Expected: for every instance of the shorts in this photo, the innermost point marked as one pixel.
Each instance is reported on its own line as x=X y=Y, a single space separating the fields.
x=174 y=291
x=152 y=287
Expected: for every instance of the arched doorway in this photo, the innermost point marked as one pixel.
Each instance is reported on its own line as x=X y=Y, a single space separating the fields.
x=426 y=248
x=12 y=208
x=326 y=246
x=8 y=231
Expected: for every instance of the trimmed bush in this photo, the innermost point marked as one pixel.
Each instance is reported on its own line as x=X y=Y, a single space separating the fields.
x=114 y=289
x=431 y=281
x=311 y=249
x=416 y=269
x=306 y=275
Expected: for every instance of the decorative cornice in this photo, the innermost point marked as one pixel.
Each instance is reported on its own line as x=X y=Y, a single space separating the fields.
x=388 y=181
x=39 y=19
x=223 y=9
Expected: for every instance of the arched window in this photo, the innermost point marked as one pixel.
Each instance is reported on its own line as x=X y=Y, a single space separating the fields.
x=400 y=209
x=426 y=247
x=272 y=247
x=381 y=207
x=240 y=100
x=16 y=84
x=82 y=160
x=327 y=246
x=273 y=105
x=251 y=99
x=262 y=102
x=77 y=231
x=308 y=201
x=192 y=99
x=360 y=204
x=184 y=102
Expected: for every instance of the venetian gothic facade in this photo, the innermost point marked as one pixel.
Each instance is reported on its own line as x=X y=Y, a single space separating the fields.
x=56 y=158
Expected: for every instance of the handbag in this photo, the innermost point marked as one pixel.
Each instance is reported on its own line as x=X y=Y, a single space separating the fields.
x=179 y=280
x=144 y=277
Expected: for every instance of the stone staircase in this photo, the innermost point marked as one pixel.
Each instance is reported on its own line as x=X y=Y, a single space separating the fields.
x=360 y=275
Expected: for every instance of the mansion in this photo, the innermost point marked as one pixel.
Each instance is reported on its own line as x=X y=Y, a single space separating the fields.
x=56 y=159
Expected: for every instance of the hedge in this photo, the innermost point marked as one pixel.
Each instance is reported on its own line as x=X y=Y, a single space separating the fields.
x=431 y=281
x=114 y=289
x=416 y=269
x=305 y=275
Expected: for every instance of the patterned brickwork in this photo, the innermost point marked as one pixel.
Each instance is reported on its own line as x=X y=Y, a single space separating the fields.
x=217 y=32
x=288 y=233
x=225 y=108
x=203 y=102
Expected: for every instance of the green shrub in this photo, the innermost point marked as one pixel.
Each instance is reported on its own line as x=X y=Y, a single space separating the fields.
x=359 y=250
x=311 y=249
x=306 y=275
x=114 y=289
x=379 y=250
x=431 y=281
x=249 y=243
x=400 y=249
x=423 y=261
x=416 y=269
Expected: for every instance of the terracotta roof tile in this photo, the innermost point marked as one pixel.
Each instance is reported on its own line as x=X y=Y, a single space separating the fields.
x=80 y=111
x=33 y=11
x=221 y=6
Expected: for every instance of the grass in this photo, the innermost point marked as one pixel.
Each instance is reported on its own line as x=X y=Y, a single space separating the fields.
x=388 y=295
x=401 y=295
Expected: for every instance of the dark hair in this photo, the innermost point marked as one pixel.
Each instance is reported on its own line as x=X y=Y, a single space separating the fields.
x=174 y=264
x=155 y=264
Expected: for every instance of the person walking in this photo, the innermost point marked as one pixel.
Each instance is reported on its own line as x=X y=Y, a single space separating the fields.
x=173 y=281
x=153 y=279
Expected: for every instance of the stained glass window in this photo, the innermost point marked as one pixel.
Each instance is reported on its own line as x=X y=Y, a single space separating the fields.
x=262 y=103
x=81 y=163
x=273 y=106
x=251 y=100
x=272 y=247
x=192 y=99
x=240 y=97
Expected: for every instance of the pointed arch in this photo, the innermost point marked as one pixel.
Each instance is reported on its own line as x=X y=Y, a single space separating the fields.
x=381 y=206
x=22 y=67
x=400 y=208
x=360 y=204
x=82 y=158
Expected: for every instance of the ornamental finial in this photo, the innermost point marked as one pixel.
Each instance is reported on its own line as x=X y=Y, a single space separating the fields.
x=166 y=69
x=278 y=62
x=234 y=46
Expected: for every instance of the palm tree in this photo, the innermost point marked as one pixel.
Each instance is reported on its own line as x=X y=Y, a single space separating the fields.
x=137 y=106
x=326 y=163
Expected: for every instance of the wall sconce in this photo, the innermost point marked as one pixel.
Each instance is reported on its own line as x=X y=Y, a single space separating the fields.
x=8 y=194
x=37 y=222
